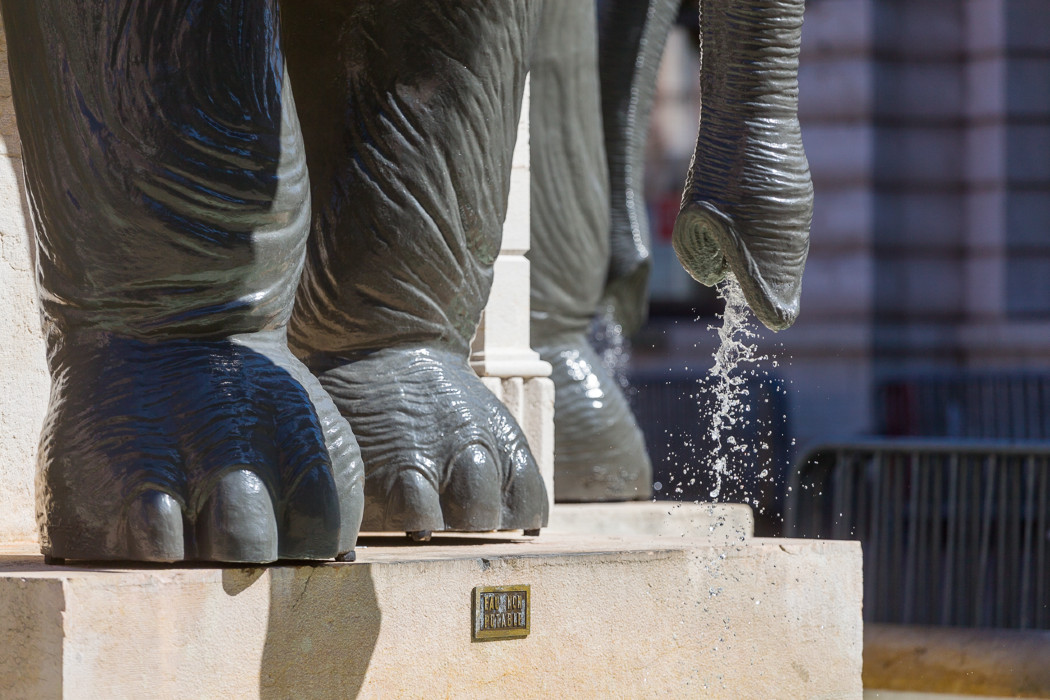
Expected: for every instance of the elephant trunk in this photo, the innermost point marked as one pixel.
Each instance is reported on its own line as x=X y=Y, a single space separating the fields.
x=631 y=38
x=748 y=197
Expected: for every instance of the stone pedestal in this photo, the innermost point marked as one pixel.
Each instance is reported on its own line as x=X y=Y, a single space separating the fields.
x=24 y=381
x=609 y=617
x=502 y=345
x=727 y=522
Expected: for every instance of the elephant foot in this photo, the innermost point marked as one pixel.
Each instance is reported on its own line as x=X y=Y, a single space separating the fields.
x=440 y=451
x=599 y=452
x=225 y=450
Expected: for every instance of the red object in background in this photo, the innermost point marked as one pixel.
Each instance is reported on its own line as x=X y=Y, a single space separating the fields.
x=665 y=212
x=901 y=409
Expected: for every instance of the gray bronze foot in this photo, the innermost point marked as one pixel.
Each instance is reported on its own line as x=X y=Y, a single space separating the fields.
x=440 y=451
x=194 y=450
x=599 y=452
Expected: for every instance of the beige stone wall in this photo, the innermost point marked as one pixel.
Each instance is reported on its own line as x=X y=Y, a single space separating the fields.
x=24 y=381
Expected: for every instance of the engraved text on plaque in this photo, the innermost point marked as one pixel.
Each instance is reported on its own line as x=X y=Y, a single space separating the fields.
x=501 y=612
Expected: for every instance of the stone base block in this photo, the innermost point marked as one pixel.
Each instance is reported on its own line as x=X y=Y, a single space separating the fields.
x=609 y=617
x=725 y=521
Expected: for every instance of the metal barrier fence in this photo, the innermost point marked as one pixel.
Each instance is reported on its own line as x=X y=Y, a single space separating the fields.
x=984 y=405
x=954 y=533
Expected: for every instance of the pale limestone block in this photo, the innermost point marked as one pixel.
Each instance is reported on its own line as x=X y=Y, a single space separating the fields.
x=501 y=336
x=501 y=346
x=724 y=522
x=31 y=637
x=609 y=617
x=9 y=142
x=537 y=420
x=516 y=231
x=24 y=380
x=495 y=385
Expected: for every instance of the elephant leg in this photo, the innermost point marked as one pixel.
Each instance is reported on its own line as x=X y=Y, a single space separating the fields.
x=586 y=246
x=748 y=197
x=631 y=39
x=168 y=184
x=410 y=111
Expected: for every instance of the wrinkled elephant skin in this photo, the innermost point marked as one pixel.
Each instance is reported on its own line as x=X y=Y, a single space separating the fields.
x=748 y=198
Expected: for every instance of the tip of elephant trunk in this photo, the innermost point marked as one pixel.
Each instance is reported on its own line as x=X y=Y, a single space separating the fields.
x=709 y=245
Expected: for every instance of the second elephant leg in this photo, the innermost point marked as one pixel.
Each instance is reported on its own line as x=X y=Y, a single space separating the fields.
x=599 y=451
x=409 y=111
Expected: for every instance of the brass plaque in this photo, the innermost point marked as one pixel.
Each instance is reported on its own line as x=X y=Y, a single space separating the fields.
x=501 y=612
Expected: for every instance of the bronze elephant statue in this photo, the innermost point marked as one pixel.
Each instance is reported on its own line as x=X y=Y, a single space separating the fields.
x=258 y=306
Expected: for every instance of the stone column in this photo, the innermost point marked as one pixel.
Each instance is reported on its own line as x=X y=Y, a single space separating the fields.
x=24 y=380
x=501 y=352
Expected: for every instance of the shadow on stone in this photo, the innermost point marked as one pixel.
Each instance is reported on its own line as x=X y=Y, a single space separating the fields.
x=452 y=539
x=31 y=638
x=235 y=581
x=315 y=648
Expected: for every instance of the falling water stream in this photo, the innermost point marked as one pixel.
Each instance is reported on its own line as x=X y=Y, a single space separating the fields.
x=734 y=460
x=736 y=353
x=739 y=402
